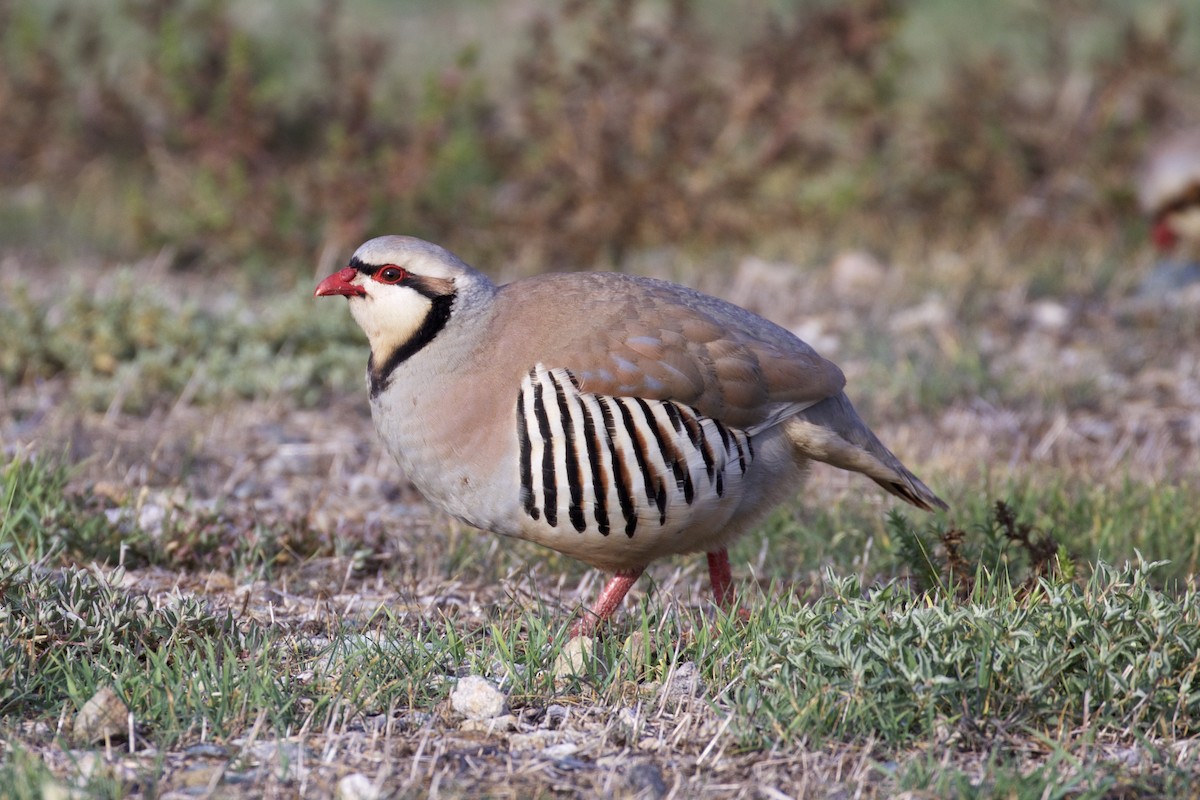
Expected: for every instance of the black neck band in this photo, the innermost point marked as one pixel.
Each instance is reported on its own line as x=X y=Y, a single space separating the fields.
x=380 y=375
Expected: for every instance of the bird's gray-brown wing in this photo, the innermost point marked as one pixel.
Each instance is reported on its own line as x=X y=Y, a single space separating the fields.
x=631 y=337
x=622 y=336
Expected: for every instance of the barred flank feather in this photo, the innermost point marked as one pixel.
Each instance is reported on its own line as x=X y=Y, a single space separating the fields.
x=617 y=462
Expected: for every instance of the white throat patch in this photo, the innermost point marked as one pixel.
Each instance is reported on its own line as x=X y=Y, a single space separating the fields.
x=390 y=315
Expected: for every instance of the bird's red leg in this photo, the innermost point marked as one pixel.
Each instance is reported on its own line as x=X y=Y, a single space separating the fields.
x=721 y=577
x=612 y=595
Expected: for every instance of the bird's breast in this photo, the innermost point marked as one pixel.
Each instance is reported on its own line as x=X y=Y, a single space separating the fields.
x=456 y=450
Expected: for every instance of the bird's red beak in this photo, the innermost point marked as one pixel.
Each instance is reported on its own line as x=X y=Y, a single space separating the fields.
x=340 y=283
x=1163 y=236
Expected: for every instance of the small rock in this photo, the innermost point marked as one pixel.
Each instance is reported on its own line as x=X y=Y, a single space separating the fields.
x=204 y=776
x=555 y=716
x=89 y=766
x=932 y=314
x=647 y=780
x=356 y=786
x=635 y=652
x=1049 y=315
x=857 y=277
x=286 y=759
x=537 y=740
x=500 y=724
x=53 y=790
x=577 y=658
x=103 y=717
x=682 y=685
x=151 y=518
x=206 y=750
x=476 y=698
x=1129 y=757
x=559 y=751
x=627 y=728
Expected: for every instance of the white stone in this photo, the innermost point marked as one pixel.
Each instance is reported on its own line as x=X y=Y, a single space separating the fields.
x=356 y=786
x=577 y=658
x=564 y=750
x=931 y=314
x=476 y=698
x=1049 y=315
x=501 y=724
x=857 y=277
x=104 y=716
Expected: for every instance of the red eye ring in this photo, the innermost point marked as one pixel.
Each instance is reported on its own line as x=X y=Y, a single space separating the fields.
x=390 y=274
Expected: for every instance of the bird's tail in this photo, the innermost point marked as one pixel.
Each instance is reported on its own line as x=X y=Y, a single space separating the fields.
x=831 y=431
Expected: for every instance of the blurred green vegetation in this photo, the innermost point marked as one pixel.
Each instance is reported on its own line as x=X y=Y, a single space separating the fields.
x=130 y=346
x=280 y=133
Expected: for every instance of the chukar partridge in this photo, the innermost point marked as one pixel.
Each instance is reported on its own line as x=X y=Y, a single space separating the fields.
x=613 y=418
x=1169 y=189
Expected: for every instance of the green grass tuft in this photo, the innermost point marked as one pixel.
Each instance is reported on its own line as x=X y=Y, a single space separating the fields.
x=1114 y=656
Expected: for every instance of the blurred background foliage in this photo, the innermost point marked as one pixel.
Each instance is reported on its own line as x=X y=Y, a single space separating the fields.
x=276 y=136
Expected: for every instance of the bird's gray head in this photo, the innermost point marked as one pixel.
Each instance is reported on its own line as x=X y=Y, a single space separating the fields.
x=402 y=292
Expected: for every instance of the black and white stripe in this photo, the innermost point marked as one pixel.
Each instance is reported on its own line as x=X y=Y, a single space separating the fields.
x=616 y=463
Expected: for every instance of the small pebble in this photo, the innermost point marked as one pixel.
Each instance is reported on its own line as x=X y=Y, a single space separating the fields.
x=682 y=685
x=555 y=716
x=105 y=716
x=634 y=651
x=646 y=777
x=356 y=786
x=501 y=724
x=560 y=751
x=476 y=698
x=577 y=658
x=858 y=277
x=1049 y=315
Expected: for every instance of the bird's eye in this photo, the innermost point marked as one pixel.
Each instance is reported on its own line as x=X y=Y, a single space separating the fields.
x=390 y=274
